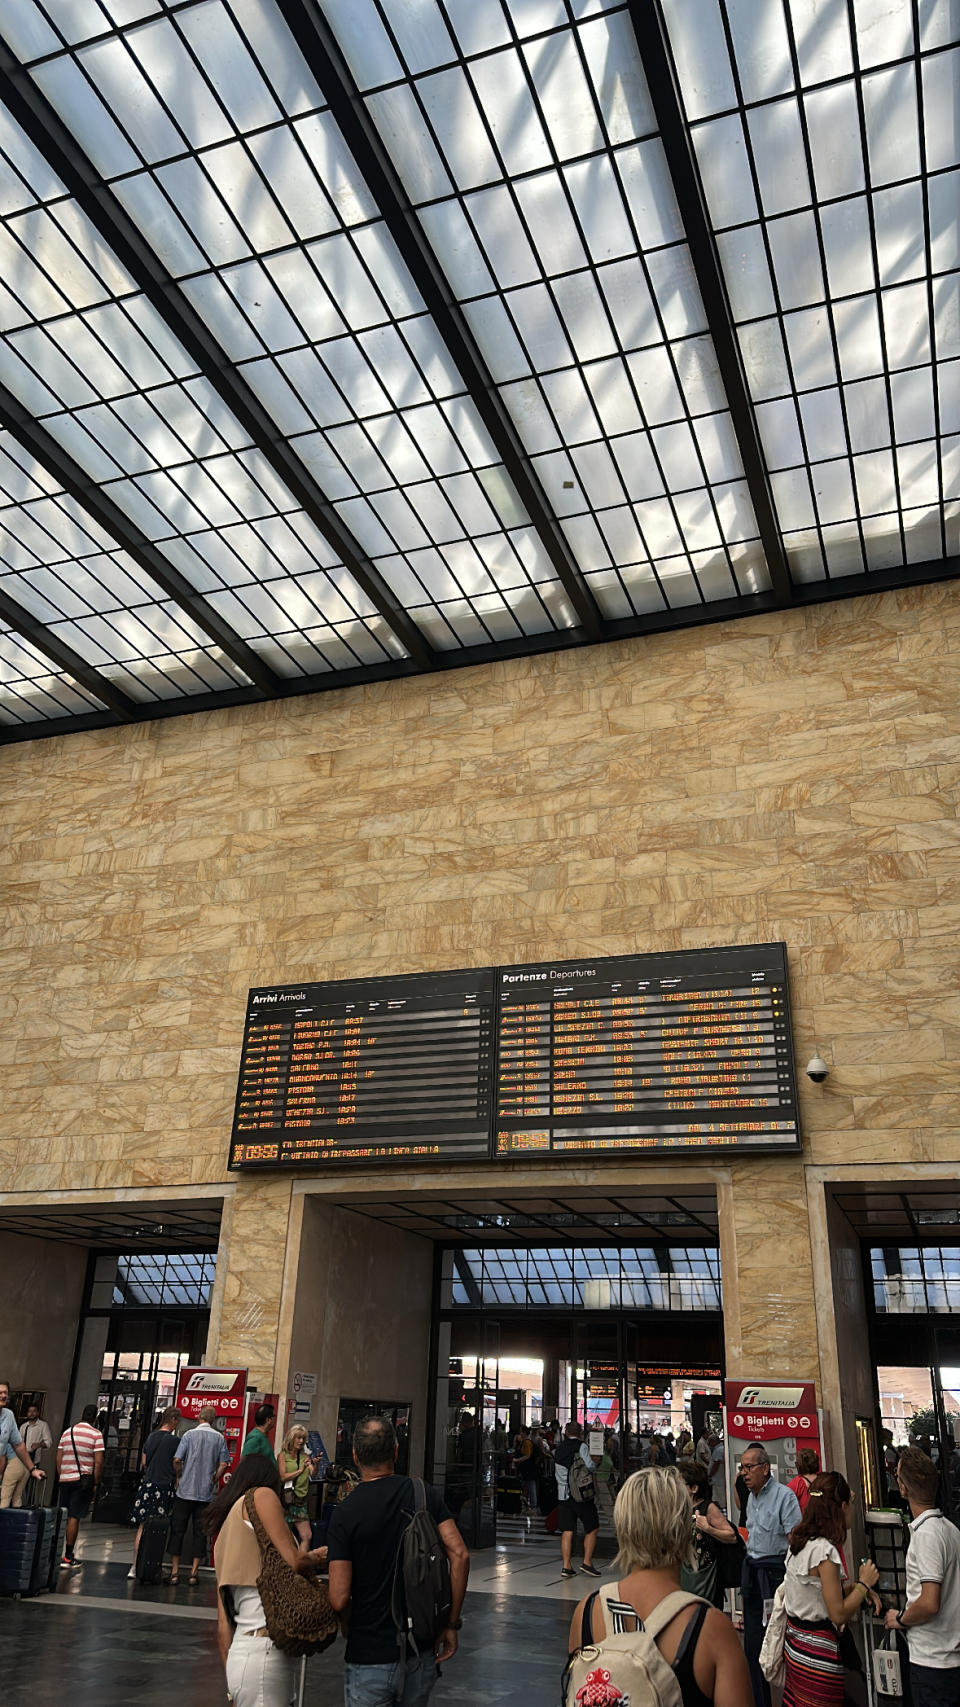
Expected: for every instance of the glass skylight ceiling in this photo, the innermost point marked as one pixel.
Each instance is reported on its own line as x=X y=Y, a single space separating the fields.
x=346 y=342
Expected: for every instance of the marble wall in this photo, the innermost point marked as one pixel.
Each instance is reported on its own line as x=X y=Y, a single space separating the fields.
x=790 y=776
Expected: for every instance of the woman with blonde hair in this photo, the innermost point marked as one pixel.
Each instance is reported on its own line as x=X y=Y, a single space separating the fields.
x=296 y=1467
x=651 y=1516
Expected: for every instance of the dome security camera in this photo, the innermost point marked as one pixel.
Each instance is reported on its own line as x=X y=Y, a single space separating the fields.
x=817 y=1069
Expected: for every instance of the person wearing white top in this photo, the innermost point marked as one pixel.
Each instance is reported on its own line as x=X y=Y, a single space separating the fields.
x=931 y=1617
x=814 y=1598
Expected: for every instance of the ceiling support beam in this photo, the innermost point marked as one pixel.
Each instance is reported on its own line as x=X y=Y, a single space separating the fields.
x=656 y=55
x=867 y=585
x=63 y=154
x=41 y=444
x=319 y=47
x=124 y=709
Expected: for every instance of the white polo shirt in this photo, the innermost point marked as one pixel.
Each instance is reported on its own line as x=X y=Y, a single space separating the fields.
x=933 y=1556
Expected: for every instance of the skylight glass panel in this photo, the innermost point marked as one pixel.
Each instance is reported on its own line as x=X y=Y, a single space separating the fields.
x=91 y=359
x=544 y=192
x=831 y=238
x=273 y=233
x=32 y=689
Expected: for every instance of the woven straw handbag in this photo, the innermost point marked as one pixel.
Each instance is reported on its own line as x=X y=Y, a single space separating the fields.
x=299 y=1617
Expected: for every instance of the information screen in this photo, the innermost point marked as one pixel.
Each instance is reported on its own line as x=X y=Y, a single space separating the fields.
x=686 y=1051
x=667 y=1051
x=378 y=1069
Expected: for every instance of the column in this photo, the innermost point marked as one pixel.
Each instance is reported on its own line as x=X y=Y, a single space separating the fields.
x=766 y=1266
x=249 y=1325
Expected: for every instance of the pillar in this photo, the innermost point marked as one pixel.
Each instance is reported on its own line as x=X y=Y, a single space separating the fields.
x=766 y=1265
x=251 y=1308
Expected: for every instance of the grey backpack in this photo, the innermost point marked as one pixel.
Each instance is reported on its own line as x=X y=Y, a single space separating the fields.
x=582 y=1482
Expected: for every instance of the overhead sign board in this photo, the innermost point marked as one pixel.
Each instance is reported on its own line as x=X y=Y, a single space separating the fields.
x=688 y=1051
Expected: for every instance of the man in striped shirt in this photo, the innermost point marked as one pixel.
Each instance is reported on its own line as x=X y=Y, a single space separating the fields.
x=79 y=1466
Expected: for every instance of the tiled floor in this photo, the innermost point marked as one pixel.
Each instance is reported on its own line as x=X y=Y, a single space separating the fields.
x=100 y=1641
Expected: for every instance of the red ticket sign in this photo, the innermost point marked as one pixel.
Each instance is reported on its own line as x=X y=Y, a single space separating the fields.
x=772 y=1410
x=223 y=1390
x=779 y=1413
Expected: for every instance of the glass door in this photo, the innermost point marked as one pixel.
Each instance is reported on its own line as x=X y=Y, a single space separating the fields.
x=134 y=1388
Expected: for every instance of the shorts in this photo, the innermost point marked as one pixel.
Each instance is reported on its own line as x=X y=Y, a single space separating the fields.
x=77 y=1496
x=585 y=1510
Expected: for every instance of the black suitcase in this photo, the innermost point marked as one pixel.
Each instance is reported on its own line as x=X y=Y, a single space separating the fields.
x=21 y=1533
x=509 y=1496
x=40 y=1577
x=153 y=1545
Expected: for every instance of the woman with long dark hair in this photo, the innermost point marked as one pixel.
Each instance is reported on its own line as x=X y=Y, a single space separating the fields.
x=814 y=1596
x=258 y=1673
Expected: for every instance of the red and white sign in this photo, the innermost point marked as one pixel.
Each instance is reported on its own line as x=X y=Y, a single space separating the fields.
x=768 y=1410
x=224 y=1390
x=782 y=1415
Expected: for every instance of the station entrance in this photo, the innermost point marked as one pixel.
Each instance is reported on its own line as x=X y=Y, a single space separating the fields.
x=625 y=1339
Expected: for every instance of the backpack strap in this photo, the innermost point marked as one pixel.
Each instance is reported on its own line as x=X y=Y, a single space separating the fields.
x=419 y=1494
x=667 y=1610
x=586 y=1619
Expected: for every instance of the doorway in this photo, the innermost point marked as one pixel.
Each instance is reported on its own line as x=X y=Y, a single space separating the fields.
x=916 y=1355
x=626 y=1366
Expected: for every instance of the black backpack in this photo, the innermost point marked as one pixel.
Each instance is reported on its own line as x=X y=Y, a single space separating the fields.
x=421 y=1583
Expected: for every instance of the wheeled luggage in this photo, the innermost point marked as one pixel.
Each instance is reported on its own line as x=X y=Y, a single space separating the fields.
x=41 y=1574
x=21 y=1534
x=153 y=1545
x=509 y=1496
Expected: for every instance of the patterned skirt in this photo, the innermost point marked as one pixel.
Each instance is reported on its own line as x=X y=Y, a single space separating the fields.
x=151 y=1501
x=815 y=1674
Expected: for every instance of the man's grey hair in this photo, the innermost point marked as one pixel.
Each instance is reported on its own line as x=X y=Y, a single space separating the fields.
x=763 y=1456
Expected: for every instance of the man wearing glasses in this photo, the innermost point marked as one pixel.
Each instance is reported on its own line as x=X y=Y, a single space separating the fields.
x=772 y=1511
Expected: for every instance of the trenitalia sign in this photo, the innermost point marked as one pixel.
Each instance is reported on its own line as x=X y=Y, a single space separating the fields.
x=771 y=1410
x=223 y=1389
x=781 y=1415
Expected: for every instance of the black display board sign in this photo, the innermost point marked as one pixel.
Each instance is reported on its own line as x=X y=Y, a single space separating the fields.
x=685 y=1051
x=372 y=1070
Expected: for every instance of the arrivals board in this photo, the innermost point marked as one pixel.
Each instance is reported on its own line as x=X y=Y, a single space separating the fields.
x=379 y=1069
x=686 y=1051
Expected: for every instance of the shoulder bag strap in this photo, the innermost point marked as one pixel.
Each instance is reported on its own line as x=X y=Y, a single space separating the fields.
x=263 y=1540
x=76 y=1455
x=586 y=1619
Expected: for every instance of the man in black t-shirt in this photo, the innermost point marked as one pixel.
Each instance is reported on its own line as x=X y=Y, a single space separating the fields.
x=363 y=1544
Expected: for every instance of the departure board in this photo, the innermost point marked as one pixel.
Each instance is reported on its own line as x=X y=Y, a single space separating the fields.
x=367 y=1071
x=689 y=1051
x=665 y=1051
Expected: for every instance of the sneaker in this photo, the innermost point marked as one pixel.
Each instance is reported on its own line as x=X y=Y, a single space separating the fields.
x=568 y=1571
x=132 y=1574
x=590 y=1571
x=66 y=1562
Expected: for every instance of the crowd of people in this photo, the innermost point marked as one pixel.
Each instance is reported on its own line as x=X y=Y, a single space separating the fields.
x=662 y=1611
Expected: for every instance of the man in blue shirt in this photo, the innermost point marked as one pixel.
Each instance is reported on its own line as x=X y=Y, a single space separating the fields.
x=199 y=1464
x=772 y=1512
